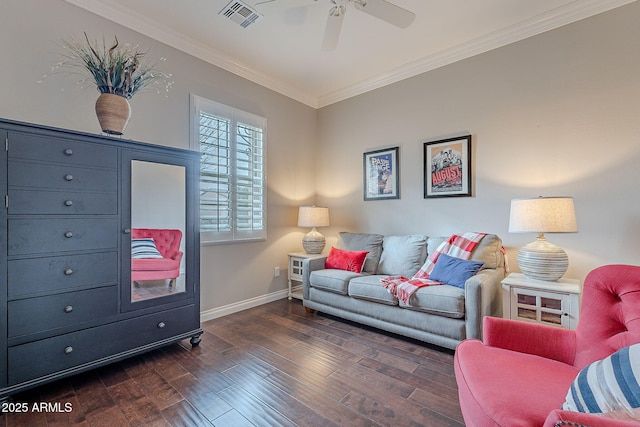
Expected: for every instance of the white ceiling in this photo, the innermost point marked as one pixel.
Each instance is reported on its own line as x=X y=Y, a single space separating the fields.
x=282 y=50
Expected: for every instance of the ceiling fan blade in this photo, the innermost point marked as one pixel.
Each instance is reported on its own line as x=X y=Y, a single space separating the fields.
x=267 y=6
x=386 y=11
x=332 y=31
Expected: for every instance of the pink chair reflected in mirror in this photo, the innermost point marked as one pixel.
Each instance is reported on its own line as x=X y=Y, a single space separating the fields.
x=155 y=254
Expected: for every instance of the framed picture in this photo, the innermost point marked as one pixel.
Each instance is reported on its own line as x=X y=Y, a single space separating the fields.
x=447 y=167
x=381 y=177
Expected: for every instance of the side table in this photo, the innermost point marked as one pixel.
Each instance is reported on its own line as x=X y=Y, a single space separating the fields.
x=550 y=303
x=295 y=272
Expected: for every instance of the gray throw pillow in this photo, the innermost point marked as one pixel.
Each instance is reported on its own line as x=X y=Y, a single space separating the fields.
x=363 y=242
x=402 y=255
x=489 y=252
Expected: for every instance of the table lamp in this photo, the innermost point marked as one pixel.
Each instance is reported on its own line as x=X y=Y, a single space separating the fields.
x=312 y=216
x=542 y=260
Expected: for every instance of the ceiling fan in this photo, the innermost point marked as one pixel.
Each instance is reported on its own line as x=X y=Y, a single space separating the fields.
x=381 y=9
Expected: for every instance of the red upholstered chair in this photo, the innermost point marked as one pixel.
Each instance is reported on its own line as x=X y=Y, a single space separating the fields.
x=168 y=244
x=520 y=374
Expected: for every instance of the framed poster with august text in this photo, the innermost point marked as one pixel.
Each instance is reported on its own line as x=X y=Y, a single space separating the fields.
x=447 y=167
x=381 y=177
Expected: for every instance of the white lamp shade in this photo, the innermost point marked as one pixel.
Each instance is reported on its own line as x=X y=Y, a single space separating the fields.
x=313 y=216
x=543 y=215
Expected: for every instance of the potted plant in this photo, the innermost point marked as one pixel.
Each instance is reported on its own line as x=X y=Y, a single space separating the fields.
x=118 y=72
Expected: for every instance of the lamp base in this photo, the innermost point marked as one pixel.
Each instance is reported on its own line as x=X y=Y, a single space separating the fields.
x=313 y=242
x=542 y=260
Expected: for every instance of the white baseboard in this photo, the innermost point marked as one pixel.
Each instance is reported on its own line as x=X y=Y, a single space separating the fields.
x=214 y=313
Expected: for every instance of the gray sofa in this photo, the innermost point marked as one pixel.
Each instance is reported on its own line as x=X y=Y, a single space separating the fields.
x=442 y=315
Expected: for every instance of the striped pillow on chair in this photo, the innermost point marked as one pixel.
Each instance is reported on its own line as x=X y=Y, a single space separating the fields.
x=609 y=386
x=144 y=248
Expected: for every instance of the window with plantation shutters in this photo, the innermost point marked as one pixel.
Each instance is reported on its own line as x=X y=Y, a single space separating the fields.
x=232 y=171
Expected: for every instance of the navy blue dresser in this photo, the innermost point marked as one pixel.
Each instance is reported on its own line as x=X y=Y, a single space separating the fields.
x=71 y=201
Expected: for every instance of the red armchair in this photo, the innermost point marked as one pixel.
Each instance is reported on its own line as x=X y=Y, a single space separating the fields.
x=520 y=374
x=167 y=242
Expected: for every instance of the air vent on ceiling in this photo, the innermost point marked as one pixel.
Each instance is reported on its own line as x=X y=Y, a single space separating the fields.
x=240 y=13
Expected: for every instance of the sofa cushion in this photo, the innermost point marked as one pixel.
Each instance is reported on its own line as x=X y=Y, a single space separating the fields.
x=454 y=271
x=346 y=260
x=433 y=243
x=402 y=255
x=489 y=251
x=332 y=280
x=443 y=300
x=370 y=288
x=609 y=386
x=363 y=242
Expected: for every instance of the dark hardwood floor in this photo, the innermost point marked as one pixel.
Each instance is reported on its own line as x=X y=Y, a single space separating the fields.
x=272 y=365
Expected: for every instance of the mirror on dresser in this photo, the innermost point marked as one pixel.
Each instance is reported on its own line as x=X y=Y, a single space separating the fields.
x=156 y=271
x=157 y=230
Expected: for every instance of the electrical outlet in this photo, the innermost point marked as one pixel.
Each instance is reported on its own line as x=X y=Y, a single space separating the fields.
x=276 y=272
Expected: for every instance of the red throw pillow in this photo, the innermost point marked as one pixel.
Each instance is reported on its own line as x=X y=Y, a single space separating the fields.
x=346 y=260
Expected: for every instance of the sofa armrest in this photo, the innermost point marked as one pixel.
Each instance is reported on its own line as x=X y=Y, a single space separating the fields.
x=482 y=297
x=560 y=418
x=309 y=265
x=532 y=338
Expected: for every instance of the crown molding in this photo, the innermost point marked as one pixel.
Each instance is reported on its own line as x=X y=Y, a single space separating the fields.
x=572 y=12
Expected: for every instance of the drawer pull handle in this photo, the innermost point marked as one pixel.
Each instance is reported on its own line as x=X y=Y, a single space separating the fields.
x=68 y=202
x=127 y=231
x=68 y=234
x=161 y=325
x=68 y=177
x=68 y=350
x=68 y=152
x=68 y=309
x=68 y=272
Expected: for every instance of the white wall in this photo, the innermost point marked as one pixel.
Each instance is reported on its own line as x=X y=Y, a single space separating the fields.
x=29 y=42
x=556 y=114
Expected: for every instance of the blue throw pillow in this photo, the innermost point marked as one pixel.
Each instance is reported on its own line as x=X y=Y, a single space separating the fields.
x=454 y=271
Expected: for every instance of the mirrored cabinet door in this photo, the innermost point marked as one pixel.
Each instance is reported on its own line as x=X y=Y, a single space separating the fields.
x=157 y=228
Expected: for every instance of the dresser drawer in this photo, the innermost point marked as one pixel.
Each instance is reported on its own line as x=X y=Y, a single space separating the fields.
x=62 y=202
x=63 y=177
x=31 y=315
x=48 y=356
x=60 y=150
x=36 y=236
x=55 y=274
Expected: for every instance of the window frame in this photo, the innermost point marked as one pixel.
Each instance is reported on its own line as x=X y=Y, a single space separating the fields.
x=197 y=105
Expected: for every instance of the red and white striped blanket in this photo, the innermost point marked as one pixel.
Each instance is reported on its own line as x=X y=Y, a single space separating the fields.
x=459 y=246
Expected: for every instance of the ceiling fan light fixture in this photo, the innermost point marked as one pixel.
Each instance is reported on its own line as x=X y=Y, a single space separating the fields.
x=339 y=7
x=337 y=11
